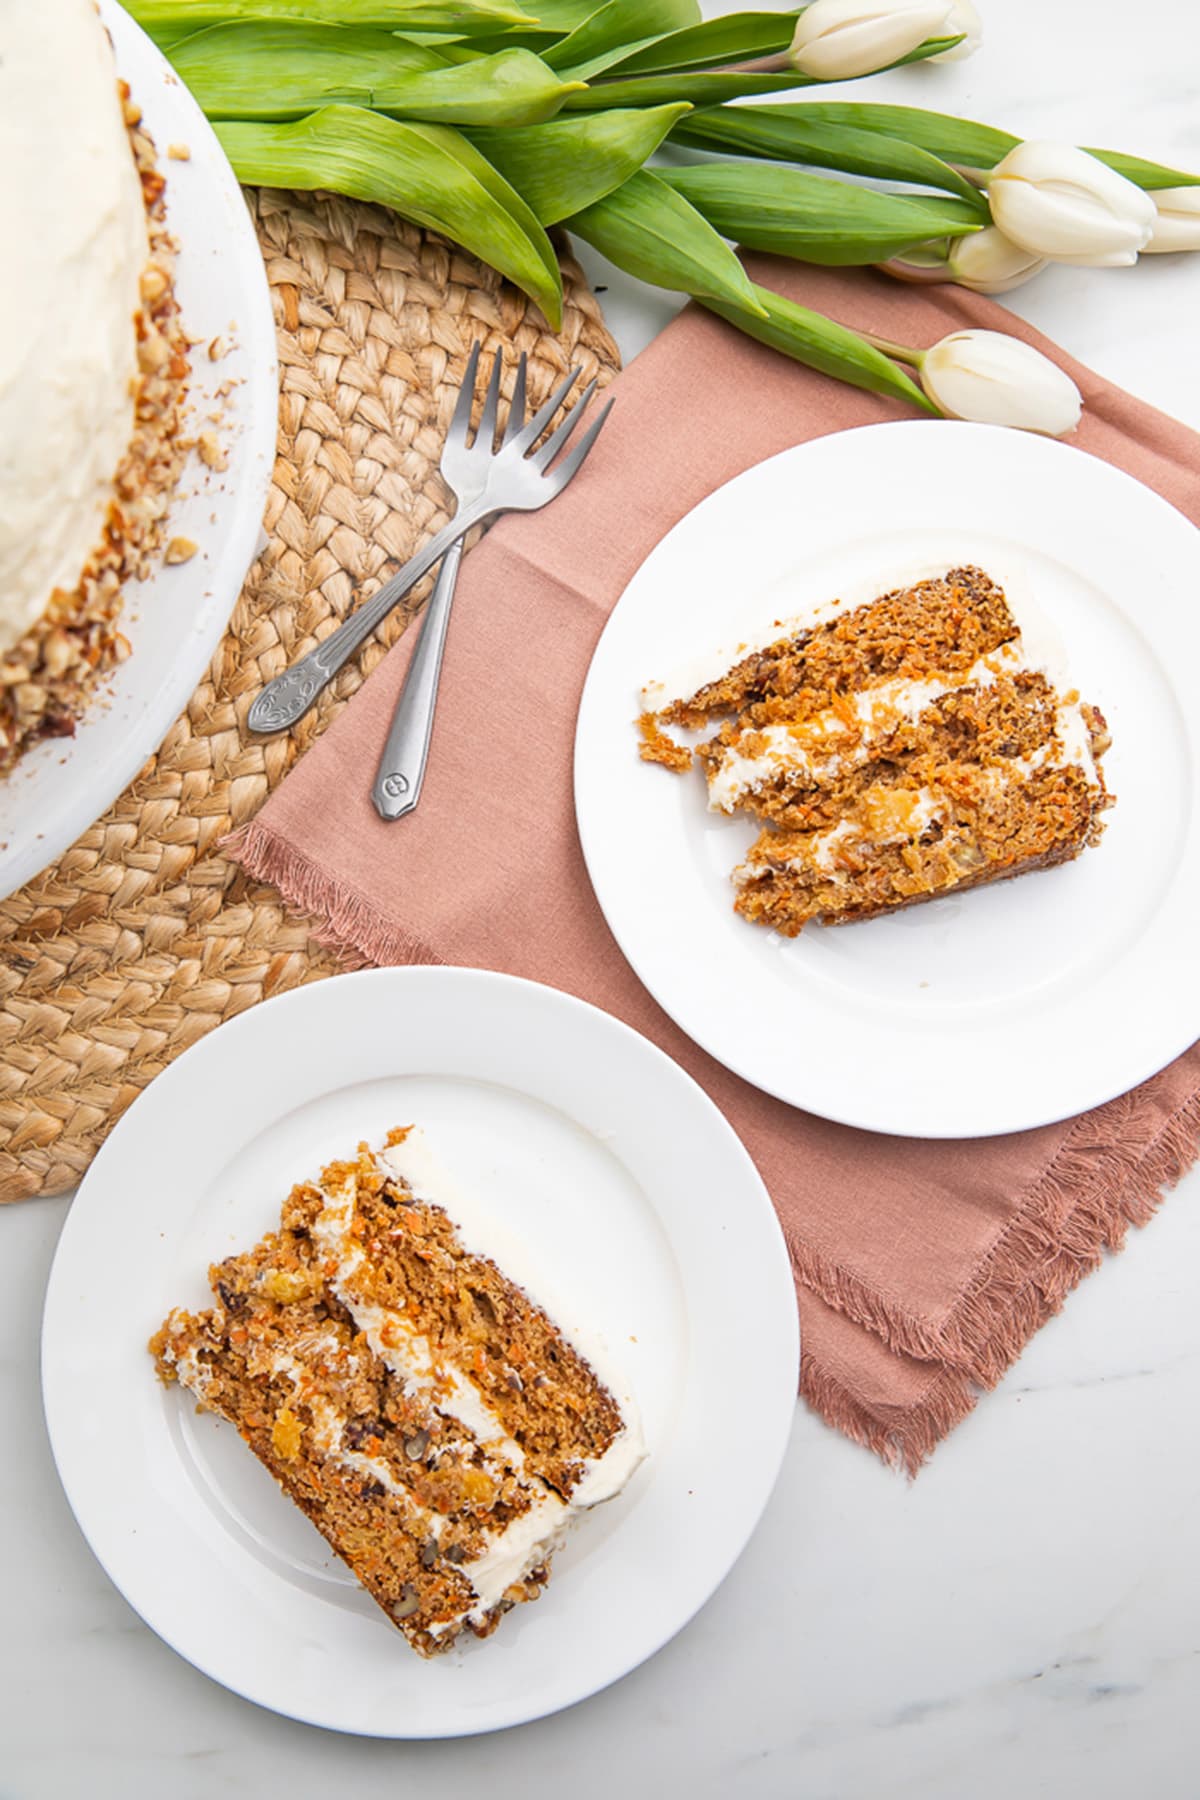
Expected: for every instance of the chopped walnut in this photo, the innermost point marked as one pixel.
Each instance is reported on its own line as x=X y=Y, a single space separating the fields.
x=153 y=283
x=210 y=451
x=154 y=352
x=180 y=550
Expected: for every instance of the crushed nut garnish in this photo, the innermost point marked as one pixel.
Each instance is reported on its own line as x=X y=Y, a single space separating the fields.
x=210 y=452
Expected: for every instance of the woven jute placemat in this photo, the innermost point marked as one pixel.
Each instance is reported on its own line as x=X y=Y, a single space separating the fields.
x=143 y=937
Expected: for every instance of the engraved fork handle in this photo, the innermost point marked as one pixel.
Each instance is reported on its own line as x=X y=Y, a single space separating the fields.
x=289 y=695
x=401 y=770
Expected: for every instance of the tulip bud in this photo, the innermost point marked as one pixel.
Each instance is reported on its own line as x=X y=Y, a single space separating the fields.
x=993 y=379
x=962 y=22
x=1177 y=220
x=987 y=262
x=835 y=40
x=1059 y=202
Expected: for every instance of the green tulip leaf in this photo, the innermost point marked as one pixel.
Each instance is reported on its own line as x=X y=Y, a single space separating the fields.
x=966 y=142
x=954 y=140
x=174 y=19
x=271 y=70
x=555 y=20
x=1148 y=175
x=820 y=343
x=709 y=87
x=789 y=133
x=430 y=174
x=569 y=163
x=735 y=38
x=564 y=16
x=619 y=24
x=770 y=206
x=652 y=233
x=696 y=88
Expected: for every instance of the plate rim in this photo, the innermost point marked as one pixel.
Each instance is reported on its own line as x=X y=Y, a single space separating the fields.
x=177 y=1078
x=71 y=807
x=710 y=1041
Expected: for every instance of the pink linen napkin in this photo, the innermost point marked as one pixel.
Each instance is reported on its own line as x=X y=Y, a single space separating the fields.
x=921 y=1268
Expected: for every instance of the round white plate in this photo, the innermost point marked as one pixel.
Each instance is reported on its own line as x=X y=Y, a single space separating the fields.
x=173 y=620
x=985 y=1012
x=633 y=1195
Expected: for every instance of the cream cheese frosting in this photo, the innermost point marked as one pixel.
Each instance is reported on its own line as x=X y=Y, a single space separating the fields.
x=73 y=224
x=812 y=751
x=535 y=1533
x=831 y=742
x=461 y=1421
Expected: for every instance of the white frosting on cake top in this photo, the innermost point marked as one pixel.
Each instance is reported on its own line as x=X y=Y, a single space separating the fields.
x=73 y=225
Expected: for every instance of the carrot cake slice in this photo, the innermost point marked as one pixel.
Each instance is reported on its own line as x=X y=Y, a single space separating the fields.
x=434 y=1423
x=896 y=751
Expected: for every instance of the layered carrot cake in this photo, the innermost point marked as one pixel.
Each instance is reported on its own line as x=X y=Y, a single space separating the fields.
x=430 y=1418
x=898 y=750
x=93 y=363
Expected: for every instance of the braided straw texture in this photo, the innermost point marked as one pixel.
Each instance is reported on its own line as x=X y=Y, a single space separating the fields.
x=142 y=937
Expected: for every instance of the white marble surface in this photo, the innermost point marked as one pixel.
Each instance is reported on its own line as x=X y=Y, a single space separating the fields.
x=1025 y=1617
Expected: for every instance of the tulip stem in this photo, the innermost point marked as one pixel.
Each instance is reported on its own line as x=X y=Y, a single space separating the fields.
x=977 y=177
x=903 y=270
x=903 y=353
x=778 y=64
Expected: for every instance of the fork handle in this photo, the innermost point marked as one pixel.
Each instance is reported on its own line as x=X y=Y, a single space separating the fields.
x=401 y=768
x=288 y=696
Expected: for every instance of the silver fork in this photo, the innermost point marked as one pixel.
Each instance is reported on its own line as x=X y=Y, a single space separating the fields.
x=513 y=481
x=464 y=468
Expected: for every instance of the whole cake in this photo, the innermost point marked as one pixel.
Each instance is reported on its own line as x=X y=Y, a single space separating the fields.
x=897 y=750
x=430 y=1418
x=92 y=363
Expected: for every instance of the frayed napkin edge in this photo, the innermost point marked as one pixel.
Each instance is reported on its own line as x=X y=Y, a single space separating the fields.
x=1011 y=1298
x=1059 y=1235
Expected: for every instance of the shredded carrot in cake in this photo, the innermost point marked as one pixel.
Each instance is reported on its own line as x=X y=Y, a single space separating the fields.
x=896 y=751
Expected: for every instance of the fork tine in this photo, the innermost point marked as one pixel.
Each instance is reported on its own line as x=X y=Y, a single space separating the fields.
x=457 y=432
x=516 y=407
x=562 y=472
x=486 y=434
x=527 y=438
x=542 y=458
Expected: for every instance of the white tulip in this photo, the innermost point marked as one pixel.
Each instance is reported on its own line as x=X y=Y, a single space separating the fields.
x=1060 y=202
x=987 y=262
x=835 y=40
x=962 y=21
x=997 y=380
x=1177 y=219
